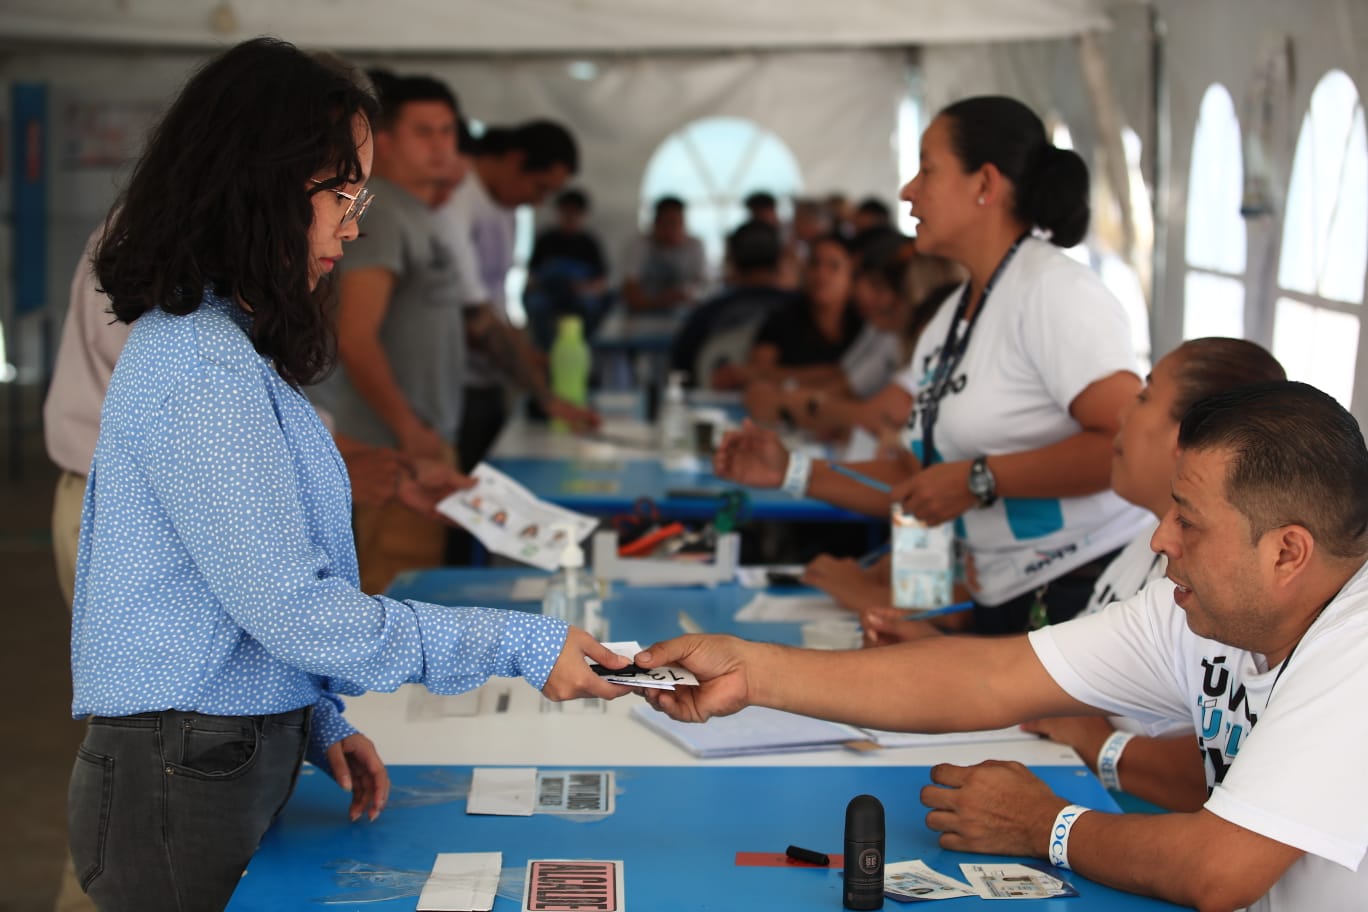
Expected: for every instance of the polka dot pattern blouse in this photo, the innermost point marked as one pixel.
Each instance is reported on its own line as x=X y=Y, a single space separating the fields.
x=217 y=571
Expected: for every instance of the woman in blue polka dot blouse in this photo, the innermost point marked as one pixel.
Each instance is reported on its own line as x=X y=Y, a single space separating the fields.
x=217 y=616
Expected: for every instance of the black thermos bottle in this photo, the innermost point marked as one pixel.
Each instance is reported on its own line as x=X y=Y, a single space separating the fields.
x=864 y=853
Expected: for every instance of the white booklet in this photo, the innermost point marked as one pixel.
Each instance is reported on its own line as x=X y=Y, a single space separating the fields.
x=753 y=730
x=510 y=520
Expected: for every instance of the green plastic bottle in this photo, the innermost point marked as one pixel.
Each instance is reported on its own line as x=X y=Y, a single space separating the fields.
x=570 y=364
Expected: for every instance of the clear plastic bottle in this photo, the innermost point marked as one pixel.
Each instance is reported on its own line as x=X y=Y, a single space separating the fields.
x=675 y=423
x=570 y=362
x=574 y=596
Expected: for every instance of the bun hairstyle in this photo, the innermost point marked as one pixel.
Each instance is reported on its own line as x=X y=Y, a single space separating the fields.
x=1051 y=183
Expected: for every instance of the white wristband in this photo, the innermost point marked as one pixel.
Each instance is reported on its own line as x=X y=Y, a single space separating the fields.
x=1059 y=835
x=1108 y=758
x=796 y=476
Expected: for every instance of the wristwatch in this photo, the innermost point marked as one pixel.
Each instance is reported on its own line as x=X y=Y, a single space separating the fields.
x=982 y=484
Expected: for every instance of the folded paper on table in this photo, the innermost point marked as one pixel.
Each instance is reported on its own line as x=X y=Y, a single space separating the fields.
x=462 y=882
x=753 y=730
x=505 y=792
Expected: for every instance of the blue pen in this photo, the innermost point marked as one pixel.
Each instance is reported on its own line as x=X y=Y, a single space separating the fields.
x=937 y=612
x=862 y=478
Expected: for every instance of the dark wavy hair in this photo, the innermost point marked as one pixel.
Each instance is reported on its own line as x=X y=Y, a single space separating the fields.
x=221 y=198
x=1051 y=183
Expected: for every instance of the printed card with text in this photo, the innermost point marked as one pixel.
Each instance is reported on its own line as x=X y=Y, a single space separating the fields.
x=916 y=881
x=1015 y=881
x=570 y=885
x=666 y=677
x=575 y=791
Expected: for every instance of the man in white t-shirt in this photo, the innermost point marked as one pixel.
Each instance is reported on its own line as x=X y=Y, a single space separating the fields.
x=1258 y=638
x=512 y=167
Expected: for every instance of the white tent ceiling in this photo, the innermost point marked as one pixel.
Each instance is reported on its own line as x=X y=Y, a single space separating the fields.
x=541 y=26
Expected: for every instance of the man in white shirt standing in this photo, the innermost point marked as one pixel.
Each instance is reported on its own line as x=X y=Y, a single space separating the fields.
x=511 y=167
x=1258 y=638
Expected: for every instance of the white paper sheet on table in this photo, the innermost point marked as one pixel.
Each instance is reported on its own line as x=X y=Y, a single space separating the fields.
x=798 y=609
x=462 y=882
x=753 y=730
x=504 y=792
x=510 y=520
x=917 y=739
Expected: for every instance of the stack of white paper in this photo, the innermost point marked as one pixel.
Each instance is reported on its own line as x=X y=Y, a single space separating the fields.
x=917 y=739
x=754 y=730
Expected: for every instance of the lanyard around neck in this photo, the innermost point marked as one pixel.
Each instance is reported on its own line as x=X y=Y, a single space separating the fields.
x=952 y=352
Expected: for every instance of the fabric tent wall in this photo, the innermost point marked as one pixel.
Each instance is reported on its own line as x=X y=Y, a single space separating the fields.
x=1230 y=41
x=836 y=111
x=1225 y=41
x=554 y=26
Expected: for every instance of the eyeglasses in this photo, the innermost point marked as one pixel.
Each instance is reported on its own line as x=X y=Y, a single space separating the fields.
x=358 y=202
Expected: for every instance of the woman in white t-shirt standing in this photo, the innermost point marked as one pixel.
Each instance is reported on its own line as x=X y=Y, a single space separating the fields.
x=1017 y=382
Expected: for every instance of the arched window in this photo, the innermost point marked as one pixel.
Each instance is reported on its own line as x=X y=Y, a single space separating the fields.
x=712 y=164
x=1100 y=249
x=1214 y=293
x=1325 y=242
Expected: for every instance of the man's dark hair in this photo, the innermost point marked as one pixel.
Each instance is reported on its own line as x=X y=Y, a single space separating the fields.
x=872 y=205
x=761 y=200
x=754 y=247
x=466 y=143
x=221 y=198
x=574 y=199
x=1296 y=458
x=668 y=203
x=397 y=91
x=543 y=144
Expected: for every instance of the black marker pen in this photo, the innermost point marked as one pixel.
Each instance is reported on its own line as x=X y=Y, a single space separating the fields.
x=811 y=857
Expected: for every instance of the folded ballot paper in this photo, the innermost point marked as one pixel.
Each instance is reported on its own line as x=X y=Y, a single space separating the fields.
x=510 y=520
x=666 y=677
x=753 y=730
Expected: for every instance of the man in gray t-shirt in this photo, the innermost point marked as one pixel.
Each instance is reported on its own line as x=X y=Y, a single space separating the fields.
x=400 y=331
x=421 y=332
